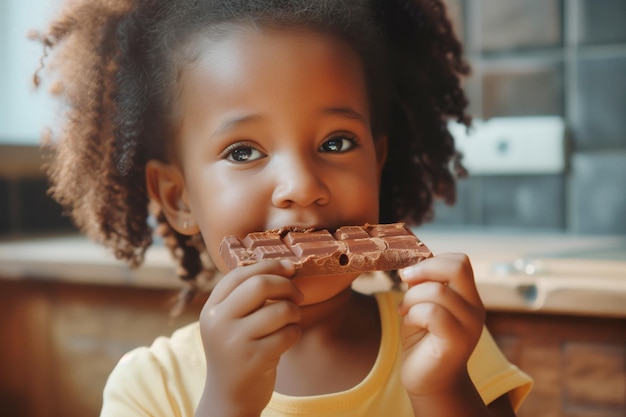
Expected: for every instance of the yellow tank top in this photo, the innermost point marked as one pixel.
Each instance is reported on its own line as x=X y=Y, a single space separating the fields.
x=167 y=378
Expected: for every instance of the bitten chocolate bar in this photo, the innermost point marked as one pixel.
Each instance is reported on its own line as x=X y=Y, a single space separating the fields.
x=350 y=249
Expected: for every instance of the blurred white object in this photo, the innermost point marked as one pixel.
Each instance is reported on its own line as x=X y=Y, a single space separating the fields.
x=512 y=145
x=24 y=112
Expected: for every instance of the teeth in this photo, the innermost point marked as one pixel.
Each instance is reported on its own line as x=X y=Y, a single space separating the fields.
x=286 y=229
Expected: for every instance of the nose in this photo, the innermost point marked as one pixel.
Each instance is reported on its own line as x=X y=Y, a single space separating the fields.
x=299 y=182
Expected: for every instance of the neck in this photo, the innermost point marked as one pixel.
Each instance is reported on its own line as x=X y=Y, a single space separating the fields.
x=327 y=314
x=340 y=333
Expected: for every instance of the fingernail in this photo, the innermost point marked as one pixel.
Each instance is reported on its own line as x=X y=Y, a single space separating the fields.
x=409 y=270
x=288 y=265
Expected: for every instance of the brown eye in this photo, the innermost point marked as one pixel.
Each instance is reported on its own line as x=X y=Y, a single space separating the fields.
x=338 y=144
x=242 y=153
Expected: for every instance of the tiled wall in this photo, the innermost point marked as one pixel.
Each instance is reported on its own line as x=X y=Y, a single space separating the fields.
x=549 y=57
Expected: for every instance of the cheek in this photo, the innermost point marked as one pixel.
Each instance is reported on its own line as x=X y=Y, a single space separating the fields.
x=356 y=196
x=369 y=187
x=223 y=207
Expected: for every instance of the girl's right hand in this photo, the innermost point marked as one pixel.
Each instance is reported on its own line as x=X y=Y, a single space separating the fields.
x=250 y=319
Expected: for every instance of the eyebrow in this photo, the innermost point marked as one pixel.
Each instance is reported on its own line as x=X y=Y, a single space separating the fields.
x=238 y=121
x=345 y=112
x=235 y=122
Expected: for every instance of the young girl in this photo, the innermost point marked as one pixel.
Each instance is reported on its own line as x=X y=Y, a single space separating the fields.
x=235 y=116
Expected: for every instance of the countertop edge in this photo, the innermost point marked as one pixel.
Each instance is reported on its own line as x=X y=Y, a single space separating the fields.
x=77 y=260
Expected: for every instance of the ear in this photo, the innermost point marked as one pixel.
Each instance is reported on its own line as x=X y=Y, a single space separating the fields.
x=166 y=187
x=380 y=145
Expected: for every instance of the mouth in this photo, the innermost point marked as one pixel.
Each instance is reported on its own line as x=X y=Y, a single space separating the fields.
x=283 y=230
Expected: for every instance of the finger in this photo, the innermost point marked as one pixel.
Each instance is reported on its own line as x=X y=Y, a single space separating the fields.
x=452 y=269
x=237 y=276
x=435 y=319
x=447 y=334
x=271 y=318
x=443 y=296
x=256 y=291
x=275 y=344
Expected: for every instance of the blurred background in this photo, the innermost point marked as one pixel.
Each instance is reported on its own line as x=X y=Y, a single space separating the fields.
x=543 y=216
x=549 y=58
x=565 y=59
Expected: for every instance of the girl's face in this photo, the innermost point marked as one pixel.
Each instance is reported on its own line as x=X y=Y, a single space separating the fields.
x=275 y=131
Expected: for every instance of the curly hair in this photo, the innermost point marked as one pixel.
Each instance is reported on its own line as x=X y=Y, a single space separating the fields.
x=117 y=62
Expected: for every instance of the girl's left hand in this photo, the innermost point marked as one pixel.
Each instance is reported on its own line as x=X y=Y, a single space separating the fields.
x=443 y=320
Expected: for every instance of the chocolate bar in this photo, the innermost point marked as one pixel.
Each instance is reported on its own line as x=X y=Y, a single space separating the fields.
x=349 y=249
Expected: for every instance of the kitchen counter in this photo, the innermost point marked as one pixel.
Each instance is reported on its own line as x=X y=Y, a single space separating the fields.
x=76 y=259
x=543 y=272
x=556 y=308
x=521 y=272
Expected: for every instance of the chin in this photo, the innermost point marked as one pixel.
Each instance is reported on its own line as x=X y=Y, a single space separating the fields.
x=320 y=288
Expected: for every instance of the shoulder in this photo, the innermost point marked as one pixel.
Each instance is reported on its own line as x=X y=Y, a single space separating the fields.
x=184 y=346
x=151 y=381
x=493 y=375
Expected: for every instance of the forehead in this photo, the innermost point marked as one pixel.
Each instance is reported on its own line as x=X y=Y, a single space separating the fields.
x=244 y=61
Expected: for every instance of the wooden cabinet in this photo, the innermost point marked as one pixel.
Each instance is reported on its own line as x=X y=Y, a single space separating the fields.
x=59 y=342
x=578 y=363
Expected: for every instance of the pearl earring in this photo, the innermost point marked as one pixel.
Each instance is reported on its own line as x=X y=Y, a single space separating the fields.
x=185 y=225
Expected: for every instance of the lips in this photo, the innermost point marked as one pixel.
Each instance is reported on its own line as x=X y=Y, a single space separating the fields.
x=286 y=227
x=282 y=231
